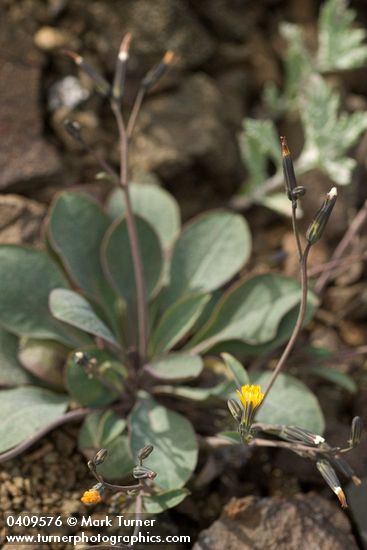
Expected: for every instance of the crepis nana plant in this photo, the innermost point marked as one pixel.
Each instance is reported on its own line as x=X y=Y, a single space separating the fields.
x=116 y=315
x=249 y=399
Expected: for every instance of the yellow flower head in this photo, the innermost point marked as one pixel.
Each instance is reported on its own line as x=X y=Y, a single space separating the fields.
x=91 y=497
x=250 y=395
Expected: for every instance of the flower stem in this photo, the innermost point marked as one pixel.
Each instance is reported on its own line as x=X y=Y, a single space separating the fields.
x=298 y=325
x=141 y=304
x=295 y=229
x=134 y=112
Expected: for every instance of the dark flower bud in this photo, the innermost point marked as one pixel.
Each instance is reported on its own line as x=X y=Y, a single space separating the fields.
x=296 y=434
x=235 y=409
x=288 y=170
x=120 y=70
x=81 y=359
x=145 y=452
x=329 y=475
x=140 y=472
x=100 y=456
x=152 y=77
x=101 y=84
x=317 y=226
x=356 y=431
x=345 y=468
x=74 y=129
x=298 y=191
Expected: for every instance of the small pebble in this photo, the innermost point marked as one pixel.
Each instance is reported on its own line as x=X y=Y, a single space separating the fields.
x=49 y=38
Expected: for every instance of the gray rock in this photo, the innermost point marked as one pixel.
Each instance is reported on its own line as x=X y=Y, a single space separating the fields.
x=20 y=220
x=25 y=156
x=156 y=27
x=186 y=131
x=66 y=92
x=230 y=19
x=304 y=522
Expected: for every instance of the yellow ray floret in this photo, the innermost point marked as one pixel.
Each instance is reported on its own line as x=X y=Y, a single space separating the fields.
x=250 y=394
x=91 y=497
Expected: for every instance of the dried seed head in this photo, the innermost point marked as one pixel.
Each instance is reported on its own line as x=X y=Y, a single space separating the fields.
x=356 y=431
x=235 y=410
x=100 y=456
x=329 y=475
x=288 y=170
x=317 y=226
x=145 y=452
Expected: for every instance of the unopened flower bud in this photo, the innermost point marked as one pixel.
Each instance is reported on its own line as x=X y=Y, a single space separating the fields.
x=356 y=431
x=346 y=469
x=140 y=472
x=81 y=359
x=288 y=170
x=329 y=475
x=74 y=129
x=317 y=226
x=100 y=456
x=298 y=191
x=235 y=409
x=152 y=77
x=294 y=433
x=145 y=452
x=120 y=71
x=101 y=84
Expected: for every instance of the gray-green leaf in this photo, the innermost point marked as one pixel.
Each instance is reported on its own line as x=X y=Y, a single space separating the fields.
x=250 y=312
x=259 y=142
x=324 y=125
x=340 y=43
x=153 y=204
x=26 y=410
x=71 y=308
x=11 y=371
x=175 y=445
x=117 y=259
x=99 y=429
x=104 y=430
x=289 y=402
x=176 y=322
x=156 y=504
x=238 y=371
x=175 y=366
x=211 y=249
x=76 y=228
x=335 y=376
x=44 y=359
x=95 y=391
x=26 y=279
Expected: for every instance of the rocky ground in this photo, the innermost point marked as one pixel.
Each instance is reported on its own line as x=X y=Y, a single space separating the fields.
x=186 y=135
